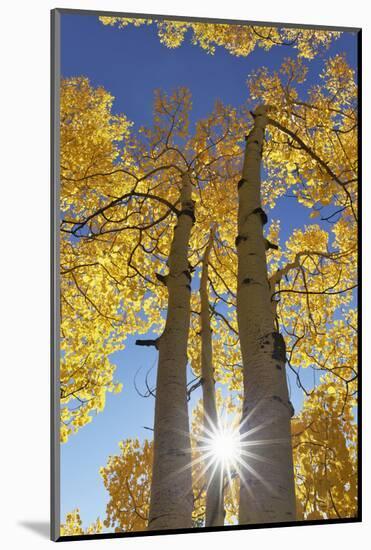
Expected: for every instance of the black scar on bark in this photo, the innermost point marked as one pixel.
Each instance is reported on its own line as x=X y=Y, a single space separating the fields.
x=277 y=398
x=174 y=452
x=262 y=214
x=188 y=212
x=279 y=347
x=188 y=275
x=247 y=281
x=241 y=182
x=288 y=404
x=239 y=238
x=254 y=115
x=263 y=341
x=161 y=278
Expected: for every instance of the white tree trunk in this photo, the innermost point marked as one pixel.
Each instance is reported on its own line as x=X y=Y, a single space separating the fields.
x=171 y=500
x=268 y=495
x=214 y=491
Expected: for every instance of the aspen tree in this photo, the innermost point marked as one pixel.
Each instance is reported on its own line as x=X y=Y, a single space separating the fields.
x=214 y=479
x=171 y=489
x=267 y=488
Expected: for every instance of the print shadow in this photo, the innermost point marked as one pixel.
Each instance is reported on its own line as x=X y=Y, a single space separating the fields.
x=42 y=528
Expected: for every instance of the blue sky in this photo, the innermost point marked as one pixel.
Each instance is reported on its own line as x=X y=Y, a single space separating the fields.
x=130 y=64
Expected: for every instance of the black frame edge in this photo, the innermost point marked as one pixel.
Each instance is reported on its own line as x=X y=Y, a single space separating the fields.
x=209 y=529
x=54 y=283
x=359 y=266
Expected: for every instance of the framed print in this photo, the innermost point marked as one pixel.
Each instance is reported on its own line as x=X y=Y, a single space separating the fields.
x=205 y=281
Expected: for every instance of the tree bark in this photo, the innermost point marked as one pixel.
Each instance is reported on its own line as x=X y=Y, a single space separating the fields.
x=171 y=499
x=267 y=492
x=214 y=479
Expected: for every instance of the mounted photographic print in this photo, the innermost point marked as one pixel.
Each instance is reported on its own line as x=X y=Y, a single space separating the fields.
x=205 y=274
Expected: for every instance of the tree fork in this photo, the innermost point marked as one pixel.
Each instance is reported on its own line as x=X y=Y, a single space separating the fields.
x=171 y=500
x=269 y=496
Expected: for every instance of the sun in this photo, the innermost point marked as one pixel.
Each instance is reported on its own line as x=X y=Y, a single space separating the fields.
x=224 y=445
x=221 y=449
x=225 y=451
x=220 y=446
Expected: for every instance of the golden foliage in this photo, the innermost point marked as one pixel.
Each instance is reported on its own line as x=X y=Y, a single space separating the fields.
x=311 y=149
x=325 y=453
x=73 y=525
x=127 y=478
x=239 y=40
x=89 y=301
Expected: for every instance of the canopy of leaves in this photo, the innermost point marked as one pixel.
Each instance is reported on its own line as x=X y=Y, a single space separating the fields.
x=239 y=40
